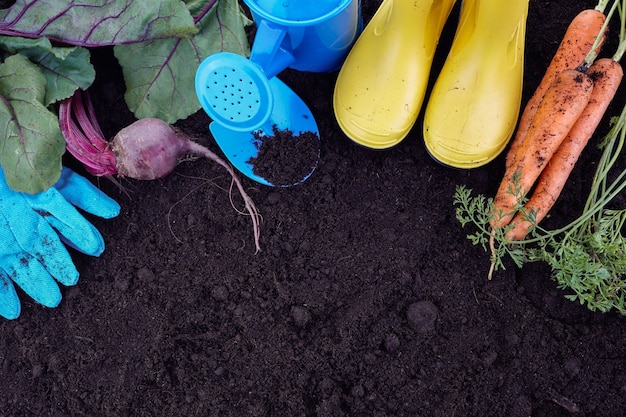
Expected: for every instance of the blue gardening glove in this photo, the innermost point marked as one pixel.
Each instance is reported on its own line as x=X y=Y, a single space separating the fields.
x=33 y=228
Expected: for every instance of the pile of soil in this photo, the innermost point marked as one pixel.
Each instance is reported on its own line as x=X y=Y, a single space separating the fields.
x=284 y=158
x=366 y=300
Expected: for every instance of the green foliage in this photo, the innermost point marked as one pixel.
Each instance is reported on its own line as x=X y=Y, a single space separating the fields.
x=590 y=262
x=32 y=142
x=587 y=256
x=94 y=23
x=479 y=211
x=64 y=73
x=45 y=56
x=161 y=83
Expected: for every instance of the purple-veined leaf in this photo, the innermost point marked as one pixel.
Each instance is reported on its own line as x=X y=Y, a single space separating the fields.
x=66 y=67
x=15 y=44
x=31 y=143
x=65 y=75
x=160 y=75
x=97 y=22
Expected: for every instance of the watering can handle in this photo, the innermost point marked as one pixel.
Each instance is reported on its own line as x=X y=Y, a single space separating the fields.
x=268 y=51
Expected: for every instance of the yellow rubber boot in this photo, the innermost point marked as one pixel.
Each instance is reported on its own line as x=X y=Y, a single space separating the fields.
x=381 y=85
x=475 y=103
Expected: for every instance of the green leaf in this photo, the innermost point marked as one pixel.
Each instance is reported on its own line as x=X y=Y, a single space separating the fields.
x=97 y=22
x=32 y=143
x=63 y=75
x=15 y=44
x=223 y=28
x=160 y=75
x=66 y=68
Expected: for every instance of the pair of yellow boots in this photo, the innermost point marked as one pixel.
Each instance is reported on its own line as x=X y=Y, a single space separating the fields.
x=473 y=107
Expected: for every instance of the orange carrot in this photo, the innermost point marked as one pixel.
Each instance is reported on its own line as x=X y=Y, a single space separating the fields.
x=557 y=112
x=575 y=45
x=606 y=75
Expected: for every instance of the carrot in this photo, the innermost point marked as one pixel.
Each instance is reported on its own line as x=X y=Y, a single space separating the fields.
x=557 y=112
x=607 y=75
x=578 y=41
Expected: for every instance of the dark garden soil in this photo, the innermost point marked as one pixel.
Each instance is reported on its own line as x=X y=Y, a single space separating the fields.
x=366 y=300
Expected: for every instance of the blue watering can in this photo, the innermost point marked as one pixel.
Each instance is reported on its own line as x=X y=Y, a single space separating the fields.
x=246 y=100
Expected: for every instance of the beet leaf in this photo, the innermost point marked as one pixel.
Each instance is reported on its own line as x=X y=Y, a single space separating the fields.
x=97 y=22
x=32 y=143
x=160 y=84
x=45 y=48
x=66 y=67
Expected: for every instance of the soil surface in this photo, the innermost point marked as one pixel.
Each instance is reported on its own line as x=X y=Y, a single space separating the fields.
x=366 y=299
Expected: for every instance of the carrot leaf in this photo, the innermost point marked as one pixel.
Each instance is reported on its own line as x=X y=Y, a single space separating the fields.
x=588 y=255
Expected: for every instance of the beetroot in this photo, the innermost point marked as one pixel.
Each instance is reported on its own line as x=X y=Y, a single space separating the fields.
x=145 y=150
x=148 y=149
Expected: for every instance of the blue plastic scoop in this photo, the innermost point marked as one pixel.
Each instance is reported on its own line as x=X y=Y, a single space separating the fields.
x=247 y=102
x=244 y=105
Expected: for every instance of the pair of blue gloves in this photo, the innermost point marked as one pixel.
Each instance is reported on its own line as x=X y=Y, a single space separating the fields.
x=34 y=229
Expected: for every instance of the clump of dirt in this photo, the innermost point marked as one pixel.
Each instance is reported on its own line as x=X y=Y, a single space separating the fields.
x=285 y=158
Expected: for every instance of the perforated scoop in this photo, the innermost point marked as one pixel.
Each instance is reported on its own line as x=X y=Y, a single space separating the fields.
x=244 y=106
x=234 y=91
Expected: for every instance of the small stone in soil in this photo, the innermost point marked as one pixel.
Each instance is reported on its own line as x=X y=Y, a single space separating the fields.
x=422 y=316
x=392 y=343
x=285 y=159
x=301 y=315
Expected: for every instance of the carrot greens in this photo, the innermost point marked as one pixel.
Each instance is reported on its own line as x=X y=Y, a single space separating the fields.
x=588 y=255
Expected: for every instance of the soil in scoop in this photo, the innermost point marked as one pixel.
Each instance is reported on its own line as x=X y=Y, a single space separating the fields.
x=285 y=158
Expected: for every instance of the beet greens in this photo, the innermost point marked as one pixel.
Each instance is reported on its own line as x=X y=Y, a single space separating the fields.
x=45 y=57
